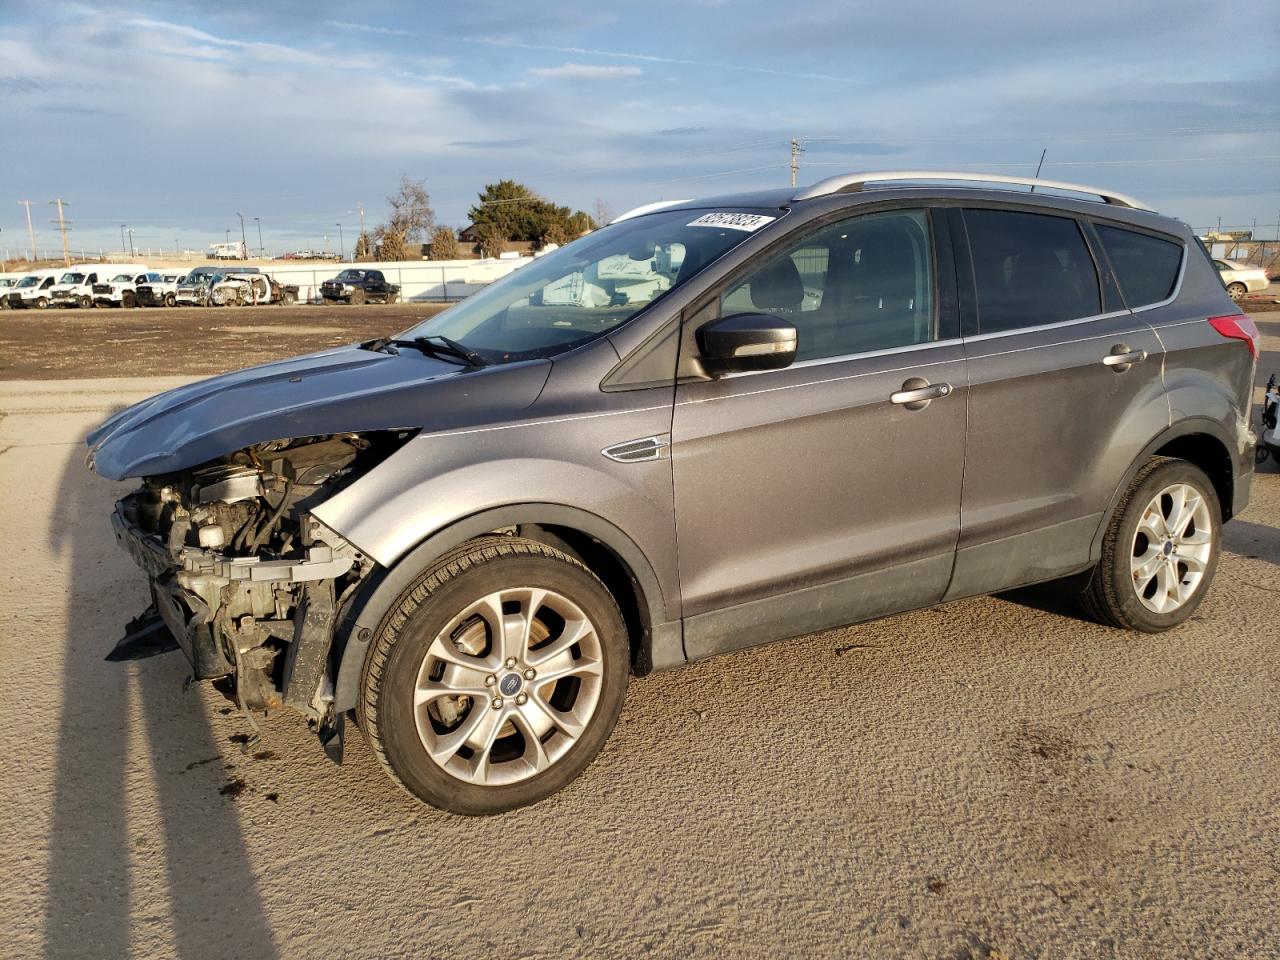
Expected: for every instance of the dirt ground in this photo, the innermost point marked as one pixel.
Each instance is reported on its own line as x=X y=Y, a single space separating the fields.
x=184 y=341
x=992 y=778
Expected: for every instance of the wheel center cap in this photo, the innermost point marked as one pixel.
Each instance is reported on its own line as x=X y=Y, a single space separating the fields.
x=1168 y=547
x=510 y=684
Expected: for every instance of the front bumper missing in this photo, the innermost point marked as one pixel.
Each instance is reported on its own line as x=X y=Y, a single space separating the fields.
x=192 y=586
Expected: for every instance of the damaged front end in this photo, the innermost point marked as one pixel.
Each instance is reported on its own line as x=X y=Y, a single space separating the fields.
x=246 y=580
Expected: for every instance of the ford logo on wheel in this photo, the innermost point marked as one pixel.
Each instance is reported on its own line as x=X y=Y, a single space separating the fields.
x=510 y=684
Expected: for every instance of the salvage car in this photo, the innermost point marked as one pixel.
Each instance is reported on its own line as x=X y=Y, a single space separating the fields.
x=863 y=397
x=359 y=286
x=122 y=289
x=161 y=292
x=239 y=289
x=196 y=288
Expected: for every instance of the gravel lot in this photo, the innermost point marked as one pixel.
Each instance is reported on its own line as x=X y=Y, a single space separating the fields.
x=993 y=778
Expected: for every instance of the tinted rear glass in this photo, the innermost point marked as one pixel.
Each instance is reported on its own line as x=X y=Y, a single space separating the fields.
x=1146 y=267
x=1030 y=270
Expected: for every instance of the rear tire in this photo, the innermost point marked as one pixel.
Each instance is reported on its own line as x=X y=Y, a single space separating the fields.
x=1170 y=516
x=451 y=699
x=1236 y=290
x=41 y=303
x=392 y=297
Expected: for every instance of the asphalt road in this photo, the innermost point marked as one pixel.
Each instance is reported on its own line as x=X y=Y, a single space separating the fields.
x=990 y=778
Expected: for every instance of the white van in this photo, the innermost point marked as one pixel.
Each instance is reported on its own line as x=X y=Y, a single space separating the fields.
x=75 y=284
x=33 y=289
x=7 y=280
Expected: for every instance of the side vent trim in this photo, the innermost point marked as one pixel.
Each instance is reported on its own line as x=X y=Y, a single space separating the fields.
x=638 y=451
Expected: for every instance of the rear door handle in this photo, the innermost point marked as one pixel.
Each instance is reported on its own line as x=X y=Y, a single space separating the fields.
x=1121 y=358
x=916 y=393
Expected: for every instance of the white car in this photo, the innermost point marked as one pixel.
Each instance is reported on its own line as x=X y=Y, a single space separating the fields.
x=1240 y=278
x=122 y=289
x=33 y=289
x=75 y=285
x=160 y=293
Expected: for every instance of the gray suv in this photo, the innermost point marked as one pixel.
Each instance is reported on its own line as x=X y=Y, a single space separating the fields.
x=709 y=425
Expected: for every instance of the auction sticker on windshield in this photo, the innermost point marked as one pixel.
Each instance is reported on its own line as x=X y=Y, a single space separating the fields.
x=734 y=221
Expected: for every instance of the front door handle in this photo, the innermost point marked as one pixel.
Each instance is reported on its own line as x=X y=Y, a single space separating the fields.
x=916 y=393
x=1121 y=358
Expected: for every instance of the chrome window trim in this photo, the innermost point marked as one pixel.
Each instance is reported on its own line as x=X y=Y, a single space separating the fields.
x=978 y=337
x=817 y=383
x=845 y=357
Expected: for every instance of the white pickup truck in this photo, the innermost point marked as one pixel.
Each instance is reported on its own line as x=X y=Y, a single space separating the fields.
x=160 y=293
x=122 y=289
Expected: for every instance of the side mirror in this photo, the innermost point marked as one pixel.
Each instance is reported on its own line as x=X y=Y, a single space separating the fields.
x=746 y=341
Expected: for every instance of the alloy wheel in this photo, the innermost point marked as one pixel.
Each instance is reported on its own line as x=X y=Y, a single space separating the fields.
x=508 y=686
x=1171 y=548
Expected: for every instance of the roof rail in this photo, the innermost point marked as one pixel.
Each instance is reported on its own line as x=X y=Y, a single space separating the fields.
x=853 y=182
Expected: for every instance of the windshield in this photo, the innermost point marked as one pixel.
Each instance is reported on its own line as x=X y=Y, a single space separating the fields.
x=122 y=278
x=27 y=282
x=593 y=285
x=71 y=278
x=350 y=275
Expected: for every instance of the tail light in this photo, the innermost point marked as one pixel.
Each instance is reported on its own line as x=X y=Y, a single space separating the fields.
x=1237 y=326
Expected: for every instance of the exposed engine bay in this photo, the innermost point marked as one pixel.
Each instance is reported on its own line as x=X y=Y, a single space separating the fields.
x=246 y=580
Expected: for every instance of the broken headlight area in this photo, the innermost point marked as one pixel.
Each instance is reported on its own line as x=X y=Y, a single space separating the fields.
x=246 y=580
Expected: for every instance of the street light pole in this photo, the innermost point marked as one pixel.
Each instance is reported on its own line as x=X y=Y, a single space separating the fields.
x=122 y=246
x=342 y=248
x=131 y=253
x=244 y=241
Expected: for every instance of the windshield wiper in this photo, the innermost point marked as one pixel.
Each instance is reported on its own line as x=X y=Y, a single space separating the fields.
x=436 y=346
x=444 y=345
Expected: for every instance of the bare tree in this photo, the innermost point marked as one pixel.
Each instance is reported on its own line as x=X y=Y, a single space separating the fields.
x=411 y=213
x=603 y=213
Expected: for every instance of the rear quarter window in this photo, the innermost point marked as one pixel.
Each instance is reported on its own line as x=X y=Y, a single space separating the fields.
x=1146 y=267
x=1030 y=269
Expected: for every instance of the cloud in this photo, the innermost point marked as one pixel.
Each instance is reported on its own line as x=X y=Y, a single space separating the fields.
x=651 y=58
x=585 y=71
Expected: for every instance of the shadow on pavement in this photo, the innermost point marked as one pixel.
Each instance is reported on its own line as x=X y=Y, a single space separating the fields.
x=213 y=907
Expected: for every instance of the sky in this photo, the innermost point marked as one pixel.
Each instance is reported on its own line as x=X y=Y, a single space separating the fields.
x=172 y=118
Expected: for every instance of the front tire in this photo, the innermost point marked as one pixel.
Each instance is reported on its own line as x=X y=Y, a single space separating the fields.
x=170 y=300
x=496 y=678
x=356 y=298
x=1160 y=550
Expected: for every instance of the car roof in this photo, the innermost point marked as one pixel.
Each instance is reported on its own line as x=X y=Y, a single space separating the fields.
x=784 y=199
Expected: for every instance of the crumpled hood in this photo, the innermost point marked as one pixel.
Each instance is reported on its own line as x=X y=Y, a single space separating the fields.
x=335 y=391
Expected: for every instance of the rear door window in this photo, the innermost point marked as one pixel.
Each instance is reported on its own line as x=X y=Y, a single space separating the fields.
x=1146 y=267
x=1030 y=270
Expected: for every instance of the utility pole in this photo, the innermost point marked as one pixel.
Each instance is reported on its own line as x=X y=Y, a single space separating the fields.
x=130 y=232
x=361 y=244
x=796 y=150
x=261 y=249
x=63 y=225
x=31 y=231
x=122 y=246
x=244 y=242
x=342 y=247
